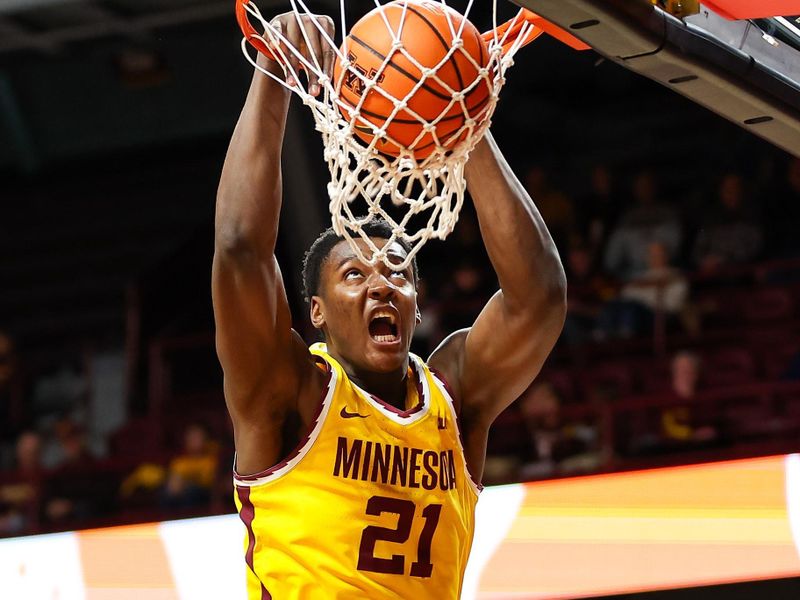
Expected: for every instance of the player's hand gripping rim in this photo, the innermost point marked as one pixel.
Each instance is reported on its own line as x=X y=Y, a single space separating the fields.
x=303 y=43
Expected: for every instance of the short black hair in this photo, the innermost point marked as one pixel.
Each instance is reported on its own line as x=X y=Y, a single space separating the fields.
x=321 y=248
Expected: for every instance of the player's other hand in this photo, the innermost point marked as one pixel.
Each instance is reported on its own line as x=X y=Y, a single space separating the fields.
x=304 y=32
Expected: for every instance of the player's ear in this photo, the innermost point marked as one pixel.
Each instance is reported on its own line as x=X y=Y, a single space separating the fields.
x=316 y=313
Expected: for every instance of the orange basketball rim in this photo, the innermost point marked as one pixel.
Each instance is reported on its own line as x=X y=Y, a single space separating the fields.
x=509 y=30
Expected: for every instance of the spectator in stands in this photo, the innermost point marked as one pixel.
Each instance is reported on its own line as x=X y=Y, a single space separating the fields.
x=599 y=210
x=553 y=444
x=731 y=232
x=191 y=475
x=61 y=390
x=67 y=446
x=188 y=480
x=72 y=491
x=18 y=495
x=660 y=288
x=556 y=207
x=686 y=425
x=648 y=221
x=587 y=293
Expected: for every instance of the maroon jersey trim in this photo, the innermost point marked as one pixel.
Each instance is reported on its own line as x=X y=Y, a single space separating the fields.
x=448 y=392
x=300 y=446
x=247 y=514
x=419 y=374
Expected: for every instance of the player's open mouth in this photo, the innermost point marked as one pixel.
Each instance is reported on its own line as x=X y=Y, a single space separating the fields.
x=383 y=327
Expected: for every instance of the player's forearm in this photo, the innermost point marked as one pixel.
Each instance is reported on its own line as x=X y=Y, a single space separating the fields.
x=249 y=194
x=515 y=235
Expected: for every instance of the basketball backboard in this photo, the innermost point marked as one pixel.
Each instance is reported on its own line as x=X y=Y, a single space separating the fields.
x=747 y=71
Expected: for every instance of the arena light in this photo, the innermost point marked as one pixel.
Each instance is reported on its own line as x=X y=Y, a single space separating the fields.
x=668 y=528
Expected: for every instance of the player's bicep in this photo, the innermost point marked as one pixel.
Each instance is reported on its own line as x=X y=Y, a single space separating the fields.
x=503 y=352
x=256 y=346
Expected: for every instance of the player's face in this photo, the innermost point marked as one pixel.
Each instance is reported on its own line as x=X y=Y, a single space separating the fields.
x=368 y=313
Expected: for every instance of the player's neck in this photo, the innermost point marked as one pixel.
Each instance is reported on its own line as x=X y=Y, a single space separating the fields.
x=389 y=387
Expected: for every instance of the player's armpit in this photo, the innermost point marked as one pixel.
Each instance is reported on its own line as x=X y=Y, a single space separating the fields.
x=505 y=350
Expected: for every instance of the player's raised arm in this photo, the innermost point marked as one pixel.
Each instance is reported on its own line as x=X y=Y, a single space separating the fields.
x=492 y=363
x=266 y=364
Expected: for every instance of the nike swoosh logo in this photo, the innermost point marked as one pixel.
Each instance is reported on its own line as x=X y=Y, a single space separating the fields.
x=348 y=415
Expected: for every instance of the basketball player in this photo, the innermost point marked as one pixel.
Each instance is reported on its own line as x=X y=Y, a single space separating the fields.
x=378 y=501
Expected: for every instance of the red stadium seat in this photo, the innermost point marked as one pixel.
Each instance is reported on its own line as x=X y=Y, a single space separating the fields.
x=772 y=304
x=655 y=376
x=775 y=358
x=607 y=381
x=127 y=441
x=728 y=366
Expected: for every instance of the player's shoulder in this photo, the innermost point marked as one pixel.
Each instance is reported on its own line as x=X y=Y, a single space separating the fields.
x=447 y=361
x=313 y=377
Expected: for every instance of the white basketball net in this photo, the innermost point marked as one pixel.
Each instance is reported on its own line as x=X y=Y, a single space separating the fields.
x=429 y=191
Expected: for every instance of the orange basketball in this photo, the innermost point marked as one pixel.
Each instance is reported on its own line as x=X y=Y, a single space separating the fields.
x=427 y=30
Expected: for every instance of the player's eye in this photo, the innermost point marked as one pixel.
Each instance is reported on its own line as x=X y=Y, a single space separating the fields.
x=352 y=274
x=399 y=275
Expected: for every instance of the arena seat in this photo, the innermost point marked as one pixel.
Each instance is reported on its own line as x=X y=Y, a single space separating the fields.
x=614 y=379
x=728 y=366
x=769 y=304
x=776 y=358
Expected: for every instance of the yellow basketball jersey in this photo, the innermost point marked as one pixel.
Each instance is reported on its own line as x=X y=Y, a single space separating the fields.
x=376 y=503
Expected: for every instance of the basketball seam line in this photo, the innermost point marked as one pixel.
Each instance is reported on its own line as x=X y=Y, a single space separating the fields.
x=398 y=68
x=445 y=45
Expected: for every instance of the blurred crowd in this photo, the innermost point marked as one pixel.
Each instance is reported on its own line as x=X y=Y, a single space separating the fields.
x=637 y=261
x=630 y=251
x=55 y=472
x=649 y=267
